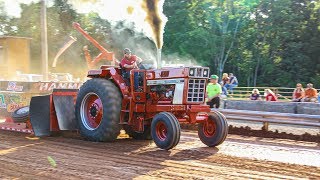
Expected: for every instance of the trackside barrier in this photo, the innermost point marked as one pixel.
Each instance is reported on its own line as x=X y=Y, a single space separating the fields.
x=271 y=117
x=283 y=93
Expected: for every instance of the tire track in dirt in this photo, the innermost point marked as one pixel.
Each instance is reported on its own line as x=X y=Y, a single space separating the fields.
x=114 y=157
x=198 y=163
x=180 y=165
x=72 y=148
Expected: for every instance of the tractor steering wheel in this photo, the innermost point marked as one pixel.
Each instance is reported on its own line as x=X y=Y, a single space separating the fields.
x=141 y=66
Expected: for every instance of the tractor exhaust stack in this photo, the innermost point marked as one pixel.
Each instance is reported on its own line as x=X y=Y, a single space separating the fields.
x=159 y=62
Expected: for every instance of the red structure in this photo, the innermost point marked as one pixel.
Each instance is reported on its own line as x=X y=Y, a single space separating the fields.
x=105 y=54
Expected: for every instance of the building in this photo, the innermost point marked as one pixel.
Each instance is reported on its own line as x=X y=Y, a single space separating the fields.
x=14 y=56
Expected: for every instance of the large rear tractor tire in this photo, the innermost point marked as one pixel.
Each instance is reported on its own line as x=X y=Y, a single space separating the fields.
x=21 y=115
x=146 y=135
x=214 y=130
x=98 y=110
x=165 y=130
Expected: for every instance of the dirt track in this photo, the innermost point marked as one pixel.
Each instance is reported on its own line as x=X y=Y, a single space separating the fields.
x=240 y=157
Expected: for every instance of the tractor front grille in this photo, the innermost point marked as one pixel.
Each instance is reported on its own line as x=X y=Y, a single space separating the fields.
x=196 y=90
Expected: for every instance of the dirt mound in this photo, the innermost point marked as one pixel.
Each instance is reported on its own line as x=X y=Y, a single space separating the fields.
x=247 y=131
x=273 y=134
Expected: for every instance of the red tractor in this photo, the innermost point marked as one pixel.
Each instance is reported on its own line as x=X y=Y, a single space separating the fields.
x=106 y=103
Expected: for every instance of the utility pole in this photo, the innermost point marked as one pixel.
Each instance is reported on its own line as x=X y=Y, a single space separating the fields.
x=44 y=40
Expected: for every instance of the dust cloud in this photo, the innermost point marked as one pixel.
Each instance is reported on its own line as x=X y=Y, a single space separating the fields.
x=176 y=60
x=156 y=19
x=143 y=16
x=134 y=24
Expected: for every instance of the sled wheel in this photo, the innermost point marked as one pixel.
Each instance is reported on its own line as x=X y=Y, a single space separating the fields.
x=98 y=110
x=165 y=130
x=21 y=115
x=214 y=130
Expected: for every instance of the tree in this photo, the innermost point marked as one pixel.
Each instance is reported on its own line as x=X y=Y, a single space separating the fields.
x=274 y=46
x=265 y=43
x=207 y=29
x=6 y=27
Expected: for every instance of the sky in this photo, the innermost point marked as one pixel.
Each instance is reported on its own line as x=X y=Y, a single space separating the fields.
x=112 y=10
x=12 y=7
x=106 y=8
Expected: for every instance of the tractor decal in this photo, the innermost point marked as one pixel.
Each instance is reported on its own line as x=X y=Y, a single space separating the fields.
x=49 y=86
x=12 y=86
x=2 y=101
x=16 y=101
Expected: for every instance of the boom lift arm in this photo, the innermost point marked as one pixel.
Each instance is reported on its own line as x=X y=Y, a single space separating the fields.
x=105 y=54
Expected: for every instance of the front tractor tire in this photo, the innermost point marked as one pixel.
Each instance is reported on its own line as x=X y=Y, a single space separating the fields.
x=214 y=130
x=98 y=110
x=165 y=130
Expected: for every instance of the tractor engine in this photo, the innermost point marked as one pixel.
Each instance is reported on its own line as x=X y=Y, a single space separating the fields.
x=178 y=86
x=162 y=93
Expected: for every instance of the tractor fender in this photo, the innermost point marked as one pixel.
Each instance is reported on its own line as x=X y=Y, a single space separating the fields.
x=119 y=82
x=111 y=73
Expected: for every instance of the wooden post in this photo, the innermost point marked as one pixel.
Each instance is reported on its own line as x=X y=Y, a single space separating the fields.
x=265 y=126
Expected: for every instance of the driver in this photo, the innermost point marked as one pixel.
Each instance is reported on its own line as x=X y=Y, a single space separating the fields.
x=130 y=62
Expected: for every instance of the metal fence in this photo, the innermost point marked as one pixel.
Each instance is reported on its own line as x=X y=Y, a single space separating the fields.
x=271 y=117
x=283 y=93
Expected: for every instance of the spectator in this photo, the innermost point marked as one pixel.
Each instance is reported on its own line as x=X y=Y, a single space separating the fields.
x=213 y=92
x=233 y=82
x=255 y=95
x=270 y=96
x=310 y=94
x=224 y=81
x=298 y=93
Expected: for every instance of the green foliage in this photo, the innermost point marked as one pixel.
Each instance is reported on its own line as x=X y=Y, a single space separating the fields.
x=209 y=29
x=5 y=24
x=263 y=42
